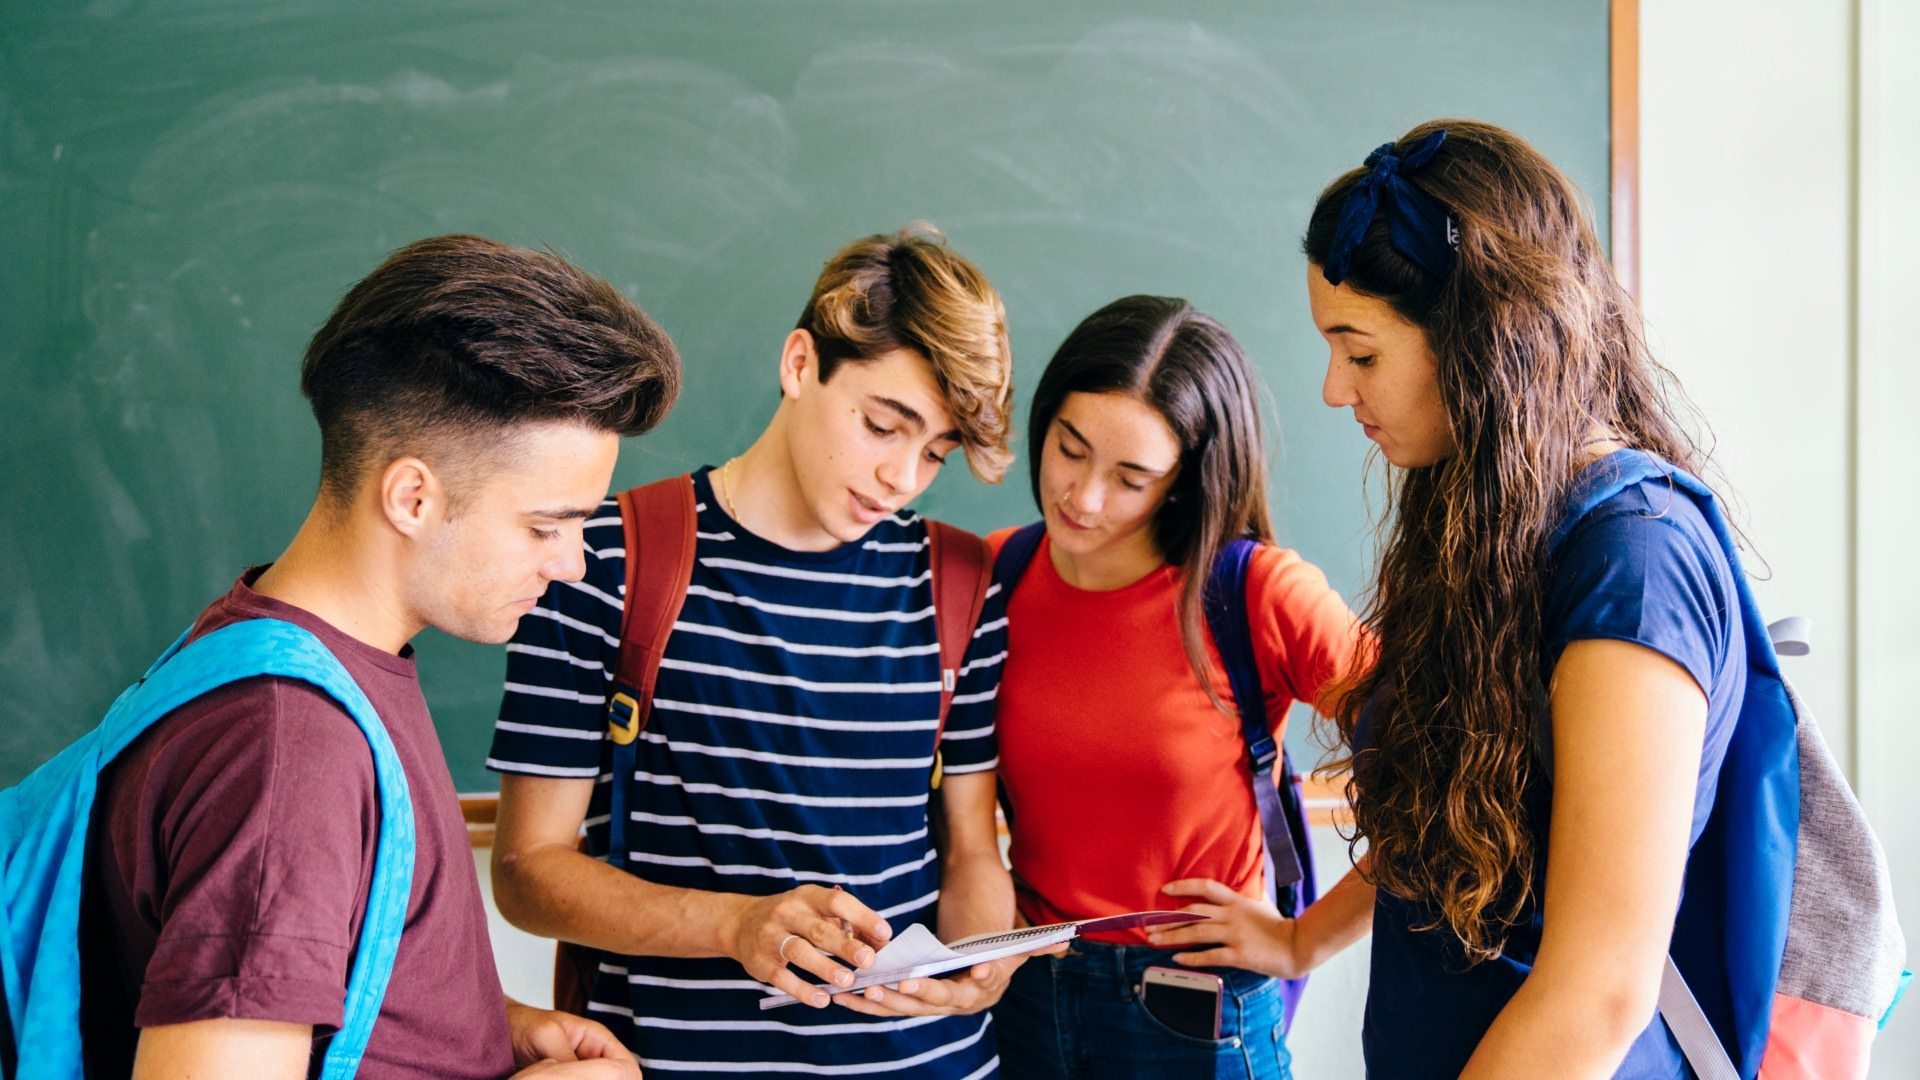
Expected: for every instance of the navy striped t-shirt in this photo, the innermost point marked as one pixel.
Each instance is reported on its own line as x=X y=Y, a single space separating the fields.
x=790 y=743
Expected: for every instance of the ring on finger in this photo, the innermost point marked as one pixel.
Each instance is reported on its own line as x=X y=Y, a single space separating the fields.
x=783 y=947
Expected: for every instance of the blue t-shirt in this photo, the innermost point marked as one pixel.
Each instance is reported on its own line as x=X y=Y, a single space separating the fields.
x=1645 y=567
x=790 y=743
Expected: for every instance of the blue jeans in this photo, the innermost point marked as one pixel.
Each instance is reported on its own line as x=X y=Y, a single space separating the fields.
x=1079 y=1015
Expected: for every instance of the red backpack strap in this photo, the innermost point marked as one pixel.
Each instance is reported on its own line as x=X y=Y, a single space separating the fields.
x=658 y=521
x=960 y=582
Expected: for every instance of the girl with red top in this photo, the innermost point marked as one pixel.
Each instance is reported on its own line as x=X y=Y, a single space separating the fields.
x=1120 y=743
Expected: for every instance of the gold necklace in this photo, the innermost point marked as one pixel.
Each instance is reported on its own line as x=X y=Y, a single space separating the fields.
x=726 y=491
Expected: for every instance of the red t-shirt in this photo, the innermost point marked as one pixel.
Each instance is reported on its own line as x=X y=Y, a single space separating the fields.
x=1122 y=775
x=231 y=849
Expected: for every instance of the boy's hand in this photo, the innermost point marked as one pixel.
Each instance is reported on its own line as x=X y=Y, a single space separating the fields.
x=806 y=927
x=980 y=987
x=542 y=1037
x=597 y=1069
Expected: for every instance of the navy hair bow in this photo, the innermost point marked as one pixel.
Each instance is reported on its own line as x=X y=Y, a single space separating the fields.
x=1417 y=224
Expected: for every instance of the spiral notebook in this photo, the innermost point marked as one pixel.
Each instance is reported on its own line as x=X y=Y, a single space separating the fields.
x=916 y=953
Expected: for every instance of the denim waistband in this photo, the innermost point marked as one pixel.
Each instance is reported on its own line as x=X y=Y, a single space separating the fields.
x=1120 y=967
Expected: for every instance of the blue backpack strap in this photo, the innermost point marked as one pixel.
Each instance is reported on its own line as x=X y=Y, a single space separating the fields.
x=1009 y=566
x=1729 y=937
x=1226 y=607
x=1280 y=800
x=277 y=648
x=46 y=1015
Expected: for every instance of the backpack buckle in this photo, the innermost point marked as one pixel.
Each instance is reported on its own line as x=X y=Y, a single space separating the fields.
x=1263 y=752
x=623 y=718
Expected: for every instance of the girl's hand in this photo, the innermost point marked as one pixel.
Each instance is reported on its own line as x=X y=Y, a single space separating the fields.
x=1244 y=932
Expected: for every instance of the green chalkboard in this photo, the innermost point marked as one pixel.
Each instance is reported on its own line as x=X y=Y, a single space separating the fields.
x=187 y=187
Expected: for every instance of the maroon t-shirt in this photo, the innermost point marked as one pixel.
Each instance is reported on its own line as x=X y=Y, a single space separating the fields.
x=231 y=850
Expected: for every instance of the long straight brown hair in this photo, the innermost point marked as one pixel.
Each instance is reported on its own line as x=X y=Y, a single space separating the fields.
x=1189 y=369
x=1538 y=348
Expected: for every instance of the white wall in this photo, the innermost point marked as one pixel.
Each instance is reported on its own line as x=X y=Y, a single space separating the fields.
x=1886 y=444
x=1778 y=239
x=1746 y=285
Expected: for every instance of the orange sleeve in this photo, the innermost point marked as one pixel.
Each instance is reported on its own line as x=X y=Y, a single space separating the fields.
x=1304 y=635
x=997 y=539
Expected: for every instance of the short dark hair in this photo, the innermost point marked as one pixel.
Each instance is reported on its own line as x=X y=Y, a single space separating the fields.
x=454 y=340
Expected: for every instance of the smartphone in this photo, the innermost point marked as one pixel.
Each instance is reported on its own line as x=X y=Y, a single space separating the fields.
x=1186 y=1001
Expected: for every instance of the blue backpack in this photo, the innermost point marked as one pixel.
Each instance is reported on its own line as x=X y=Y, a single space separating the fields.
x=1282 y=804
x=43 y=835
x=1786 y=956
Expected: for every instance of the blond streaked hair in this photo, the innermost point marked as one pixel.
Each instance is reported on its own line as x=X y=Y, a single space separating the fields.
x=911 y=291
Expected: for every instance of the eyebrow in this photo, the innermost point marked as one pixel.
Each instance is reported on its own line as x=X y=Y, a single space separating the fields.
x=562 y=515
x=1075 y=432
x=909 y=414
x=1343 y=328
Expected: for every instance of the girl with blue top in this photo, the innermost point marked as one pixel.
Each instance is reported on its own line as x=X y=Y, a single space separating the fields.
x=1536 y=750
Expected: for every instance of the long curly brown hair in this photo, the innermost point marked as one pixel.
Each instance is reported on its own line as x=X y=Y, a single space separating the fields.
x=1538 y=348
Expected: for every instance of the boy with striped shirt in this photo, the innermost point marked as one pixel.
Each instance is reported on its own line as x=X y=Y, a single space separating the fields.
x=778 y=810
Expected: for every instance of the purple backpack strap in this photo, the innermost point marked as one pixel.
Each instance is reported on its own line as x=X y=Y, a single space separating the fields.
x=1280 y=800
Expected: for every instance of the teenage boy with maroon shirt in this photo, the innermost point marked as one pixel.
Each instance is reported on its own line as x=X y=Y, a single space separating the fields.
x=471 y=398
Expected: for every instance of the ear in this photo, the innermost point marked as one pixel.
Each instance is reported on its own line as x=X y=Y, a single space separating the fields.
x=412 y=496
x=799 y=364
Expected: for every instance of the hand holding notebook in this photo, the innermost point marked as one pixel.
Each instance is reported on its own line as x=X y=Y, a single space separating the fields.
x=916 y=953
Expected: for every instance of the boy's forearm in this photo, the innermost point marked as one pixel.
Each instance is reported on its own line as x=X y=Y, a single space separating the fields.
x=563 y=893
x=976 y=895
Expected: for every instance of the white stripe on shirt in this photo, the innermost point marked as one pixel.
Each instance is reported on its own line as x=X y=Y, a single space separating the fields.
x=584 y=773
x=555 y=654
x=829 y=614
x=785 y=873
x=682 y=984
x=544 y=612
x=613 y=602
x=811 y=722
x=866 y=1068
x=796 y=574
x=696 y=788
x=823 y=840
x=560 y=693
x=669 y=664
x=552 y=732
x=864 y=1028
x=984 y=662
x=680 y=747
x=803 y=648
